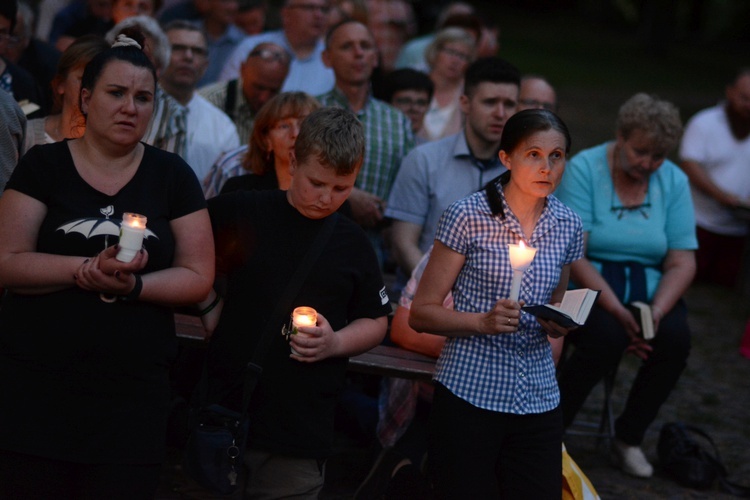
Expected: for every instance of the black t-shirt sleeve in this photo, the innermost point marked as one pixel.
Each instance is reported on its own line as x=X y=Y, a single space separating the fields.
x=188 y=194
x=26 y=176
x=369 y=298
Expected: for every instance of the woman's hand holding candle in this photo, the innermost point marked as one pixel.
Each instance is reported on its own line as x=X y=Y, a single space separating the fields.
x=503 y=318
x=104 y=273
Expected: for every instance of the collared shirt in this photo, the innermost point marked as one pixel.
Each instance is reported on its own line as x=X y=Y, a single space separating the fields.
x=210 y=133
x=509 y=373
x=167 y=129
x=431 y=177
x=228 y=165
x=219 y=50
x=388 y=138
x=241 y=113
x=307 y=75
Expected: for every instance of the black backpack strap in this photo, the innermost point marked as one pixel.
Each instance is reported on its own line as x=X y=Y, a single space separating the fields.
x=284 y=306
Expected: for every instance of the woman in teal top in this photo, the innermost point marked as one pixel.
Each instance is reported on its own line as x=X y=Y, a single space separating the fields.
x=639 y=234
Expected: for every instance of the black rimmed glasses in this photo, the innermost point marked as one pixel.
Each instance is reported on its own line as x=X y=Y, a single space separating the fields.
x=621 y=210
x=455 y=53
x=408 y=102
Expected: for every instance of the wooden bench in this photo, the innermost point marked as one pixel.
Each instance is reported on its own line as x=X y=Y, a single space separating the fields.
x=388 y=361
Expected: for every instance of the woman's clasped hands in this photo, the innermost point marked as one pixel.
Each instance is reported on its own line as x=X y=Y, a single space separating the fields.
x=105 y=274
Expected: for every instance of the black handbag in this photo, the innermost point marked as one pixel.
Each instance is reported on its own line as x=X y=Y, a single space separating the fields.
x=689 y=463
x=218 y=435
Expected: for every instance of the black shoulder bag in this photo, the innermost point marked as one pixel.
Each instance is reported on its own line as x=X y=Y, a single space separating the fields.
x=691 y=465
x=213 y=453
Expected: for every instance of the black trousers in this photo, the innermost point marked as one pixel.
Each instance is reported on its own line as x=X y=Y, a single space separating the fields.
x=600 y=344
x=481 y=454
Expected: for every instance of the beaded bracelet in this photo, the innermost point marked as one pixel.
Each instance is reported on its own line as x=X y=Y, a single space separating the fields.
x=210 y=307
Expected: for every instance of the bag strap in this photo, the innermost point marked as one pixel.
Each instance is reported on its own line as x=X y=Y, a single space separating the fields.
x=231 y=98
x=283 y=306
x=726 y=485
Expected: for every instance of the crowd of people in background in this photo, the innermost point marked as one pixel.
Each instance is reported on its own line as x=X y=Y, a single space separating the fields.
x=428 y=155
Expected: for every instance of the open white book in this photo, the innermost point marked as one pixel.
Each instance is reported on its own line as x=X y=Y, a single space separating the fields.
x=573 y=311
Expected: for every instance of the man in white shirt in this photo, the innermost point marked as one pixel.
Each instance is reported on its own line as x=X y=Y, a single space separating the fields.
x=715 y=154
x=210 y=132
x=303 y=25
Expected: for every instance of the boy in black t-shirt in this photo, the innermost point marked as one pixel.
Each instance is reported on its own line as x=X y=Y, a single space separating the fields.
x=261 y=237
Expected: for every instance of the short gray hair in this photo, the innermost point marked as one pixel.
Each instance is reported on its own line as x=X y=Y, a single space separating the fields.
x=446 y=36
x=657 y=118
x=160 y=51
x=334 y=136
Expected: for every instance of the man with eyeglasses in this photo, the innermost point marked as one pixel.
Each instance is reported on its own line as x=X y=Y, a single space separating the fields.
x=210 y=132
x=537 y=93
x=303 y=25
x=436 y=174
x=262 y=76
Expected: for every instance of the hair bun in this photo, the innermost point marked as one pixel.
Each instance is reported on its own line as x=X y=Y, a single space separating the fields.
x=126 y=41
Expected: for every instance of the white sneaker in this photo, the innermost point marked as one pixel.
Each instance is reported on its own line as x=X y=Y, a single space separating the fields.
x=631 y=459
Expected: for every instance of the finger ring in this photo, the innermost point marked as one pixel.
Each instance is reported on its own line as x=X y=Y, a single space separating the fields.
x=509 y=321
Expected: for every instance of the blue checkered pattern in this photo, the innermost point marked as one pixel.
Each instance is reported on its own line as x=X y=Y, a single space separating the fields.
x=388 y=138
x=510 y=373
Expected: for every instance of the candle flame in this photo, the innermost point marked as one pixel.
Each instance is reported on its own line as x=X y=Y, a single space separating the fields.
x=304 y=316
x=136 y=221
x=521 y=245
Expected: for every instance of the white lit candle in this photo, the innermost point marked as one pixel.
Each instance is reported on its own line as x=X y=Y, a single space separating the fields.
x=520 y=260
x=303 y=316
x=132 y=230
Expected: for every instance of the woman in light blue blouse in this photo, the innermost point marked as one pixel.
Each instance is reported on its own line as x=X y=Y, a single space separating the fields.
x=640 y=240
x=495 y=428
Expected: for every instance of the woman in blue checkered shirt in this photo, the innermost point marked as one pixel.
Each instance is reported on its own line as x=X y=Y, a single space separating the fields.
x=496 y=429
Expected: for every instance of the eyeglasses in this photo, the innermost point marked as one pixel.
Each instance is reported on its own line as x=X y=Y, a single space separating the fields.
x=461 y=55
x=408 y=102
x=183 y=49
x=621 y=210
x=270 y=55
x=310 y=7
x=535 y=104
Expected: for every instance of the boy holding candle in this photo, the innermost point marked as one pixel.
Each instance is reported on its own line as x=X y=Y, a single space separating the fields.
x=261 y=238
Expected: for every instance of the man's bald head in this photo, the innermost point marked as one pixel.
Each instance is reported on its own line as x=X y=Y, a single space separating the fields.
x=263 y=73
